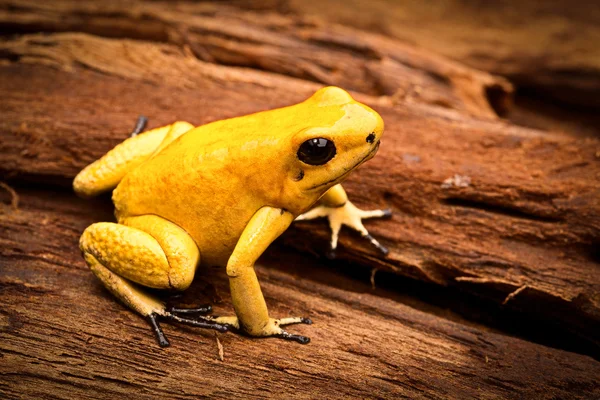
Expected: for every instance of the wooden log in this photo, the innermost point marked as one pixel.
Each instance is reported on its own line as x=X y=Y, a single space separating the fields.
x=548 y=47
x=257 y=34
x=554 y=53
x=62 y=335
x=496 y=210
x=324 y=53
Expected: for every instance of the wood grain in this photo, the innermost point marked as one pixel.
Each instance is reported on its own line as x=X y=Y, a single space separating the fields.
x=527 y=219
x=550 y=47
x=297 y=47
x=65 y=335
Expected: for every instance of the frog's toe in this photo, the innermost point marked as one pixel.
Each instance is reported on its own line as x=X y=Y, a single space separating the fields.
x=293 y=320
x=350 y=216
x=331 y=254
x=271 y=329
x=158 y=332
x=140 y=125
x=274 y=329
x=293 y=337
x=387 y=213
x=317 y=212
x=199 y=310
x=230 y=322
x=359 y=227
x=384 y=250
x=199 y=321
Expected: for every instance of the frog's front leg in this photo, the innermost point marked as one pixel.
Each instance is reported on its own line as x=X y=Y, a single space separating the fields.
x=340 y=211
x=144 y=250
x=248 y=301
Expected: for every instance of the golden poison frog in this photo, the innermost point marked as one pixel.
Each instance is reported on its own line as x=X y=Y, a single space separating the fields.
x=218 y=195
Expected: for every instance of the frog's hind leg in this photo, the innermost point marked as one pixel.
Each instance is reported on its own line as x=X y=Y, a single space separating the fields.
x=148 y=251
x=106 y=173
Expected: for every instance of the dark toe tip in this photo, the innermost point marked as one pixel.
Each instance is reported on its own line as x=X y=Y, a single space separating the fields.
x=207 y=308
x=384 y=250
x=307 y=321
x=387 y=213
x=163 y=342
x=303 y=340
x=331 y=255
x=221 y=328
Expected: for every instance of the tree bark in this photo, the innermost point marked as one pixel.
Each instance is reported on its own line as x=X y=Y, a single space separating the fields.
x=65 y=336
x=550 y=47
x=482 y=205
x=307 y=49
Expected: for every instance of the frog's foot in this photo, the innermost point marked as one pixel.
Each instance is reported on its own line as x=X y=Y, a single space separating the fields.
x=272 y=328
x=148 y=306
x=348 y=215
x=171 y=315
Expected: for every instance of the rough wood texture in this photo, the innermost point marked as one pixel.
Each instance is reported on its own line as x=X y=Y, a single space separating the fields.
x=526 y=222
x=307 y=49
x=65 y=335
x=549 y=46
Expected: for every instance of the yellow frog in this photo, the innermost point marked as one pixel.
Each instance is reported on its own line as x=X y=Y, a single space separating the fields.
x=218 y=195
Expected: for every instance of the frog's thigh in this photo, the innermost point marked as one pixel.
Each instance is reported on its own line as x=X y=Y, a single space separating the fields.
x=179 y=248
x=119 y=254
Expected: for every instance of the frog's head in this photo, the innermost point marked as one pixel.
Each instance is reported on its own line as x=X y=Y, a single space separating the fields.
x=341 y=134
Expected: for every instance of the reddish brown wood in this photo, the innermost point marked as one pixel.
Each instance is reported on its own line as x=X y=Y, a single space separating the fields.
x=63 y=335
x=550 y=47
x=302 y=48
x=528 y=218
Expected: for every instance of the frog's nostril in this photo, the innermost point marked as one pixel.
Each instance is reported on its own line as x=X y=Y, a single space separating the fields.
x=371 y=138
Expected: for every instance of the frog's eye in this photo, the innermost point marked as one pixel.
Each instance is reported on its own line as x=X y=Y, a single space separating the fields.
x=316 y=151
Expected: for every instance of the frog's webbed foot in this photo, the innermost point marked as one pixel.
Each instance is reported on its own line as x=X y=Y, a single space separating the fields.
x=348 y=215
x=272 y=329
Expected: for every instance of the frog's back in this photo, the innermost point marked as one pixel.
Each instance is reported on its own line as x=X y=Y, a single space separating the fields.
x=210 y=181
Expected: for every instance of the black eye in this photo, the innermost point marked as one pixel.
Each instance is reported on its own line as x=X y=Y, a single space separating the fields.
x=316 y=151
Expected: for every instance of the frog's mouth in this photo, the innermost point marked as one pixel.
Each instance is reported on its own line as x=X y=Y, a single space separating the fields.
x=348 y=170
